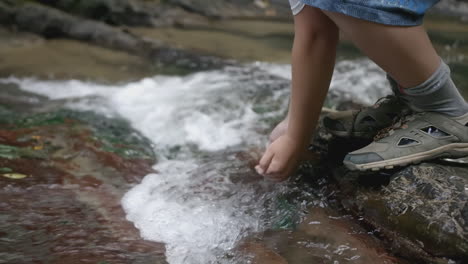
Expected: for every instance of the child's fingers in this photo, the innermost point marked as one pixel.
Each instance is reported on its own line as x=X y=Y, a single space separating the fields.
x=260 y=170
x=264 y=162
x=279 y=171
x=276 y=167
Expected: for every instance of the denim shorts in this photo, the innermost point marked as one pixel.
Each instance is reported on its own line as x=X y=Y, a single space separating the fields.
x=388 y=12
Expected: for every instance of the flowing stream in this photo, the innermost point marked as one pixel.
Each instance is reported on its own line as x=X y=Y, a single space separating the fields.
x=190 y=204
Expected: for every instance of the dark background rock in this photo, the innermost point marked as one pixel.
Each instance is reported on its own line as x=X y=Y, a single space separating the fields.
x=236 y=8
x=114 y=12
x=6 y=14
x=58 y=24
x=167 y=13
x=98 y=21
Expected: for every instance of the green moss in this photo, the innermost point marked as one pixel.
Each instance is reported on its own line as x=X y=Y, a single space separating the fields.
x=113 y=134
x=12 y=152
x=5 y=170
x=8 y=152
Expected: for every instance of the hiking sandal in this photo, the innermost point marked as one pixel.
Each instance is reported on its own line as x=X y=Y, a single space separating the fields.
x=420 y=137
x=365 y=123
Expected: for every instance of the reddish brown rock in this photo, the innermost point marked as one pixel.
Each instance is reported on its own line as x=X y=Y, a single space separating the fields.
x=67 y=208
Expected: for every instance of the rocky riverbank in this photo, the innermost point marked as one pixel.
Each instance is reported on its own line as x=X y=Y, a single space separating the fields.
x=122 y=40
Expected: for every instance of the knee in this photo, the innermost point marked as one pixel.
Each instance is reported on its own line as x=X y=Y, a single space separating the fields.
x=311 y=25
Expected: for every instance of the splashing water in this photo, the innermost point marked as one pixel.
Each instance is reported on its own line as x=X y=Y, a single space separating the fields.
x=195 y=209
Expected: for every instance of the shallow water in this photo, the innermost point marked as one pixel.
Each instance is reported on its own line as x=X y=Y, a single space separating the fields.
x=205 y=202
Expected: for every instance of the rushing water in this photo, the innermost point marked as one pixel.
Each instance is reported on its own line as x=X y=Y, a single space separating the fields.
x=190 y=204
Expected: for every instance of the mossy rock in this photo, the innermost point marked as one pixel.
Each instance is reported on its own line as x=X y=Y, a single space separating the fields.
x=113 y=134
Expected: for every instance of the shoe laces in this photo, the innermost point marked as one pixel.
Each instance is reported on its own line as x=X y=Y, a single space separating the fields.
x=384 y=100
x=381 y=101
x=400 y=122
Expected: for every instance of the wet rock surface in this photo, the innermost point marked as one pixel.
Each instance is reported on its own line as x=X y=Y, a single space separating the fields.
x=422 y=210
x=305 y=224
x=322 y=237
x=62 y=175
x=419 y=211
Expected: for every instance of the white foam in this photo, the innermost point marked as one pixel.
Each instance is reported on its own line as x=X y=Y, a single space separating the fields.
x=197 y=227
x=200 y=216
x=62 y=89
x=206 y=109
x=177 y=111
x=360 y=81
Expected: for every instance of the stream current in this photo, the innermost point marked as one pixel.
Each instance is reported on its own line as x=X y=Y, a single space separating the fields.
x=190 y=204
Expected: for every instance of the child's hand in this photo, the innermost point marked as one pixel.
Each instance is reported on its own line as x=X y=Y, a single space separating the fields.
x=280 y=159
x=279 y=130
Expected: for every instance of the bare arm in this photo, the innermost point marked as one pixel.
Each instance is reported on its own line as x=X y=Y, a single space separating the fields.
x=313 y=59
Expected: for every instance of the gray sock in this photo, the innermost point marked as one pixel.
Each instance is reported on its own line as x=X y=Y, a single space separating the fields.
x=436 y=94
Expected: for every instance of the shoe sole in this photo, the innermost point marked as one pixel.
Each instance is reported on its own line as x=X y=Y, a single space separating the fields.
x=455 y=150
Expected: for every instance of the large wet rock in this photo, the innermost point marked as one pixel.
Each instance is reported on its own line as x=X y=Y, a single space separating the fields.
x=421 y=211
x=62 y=175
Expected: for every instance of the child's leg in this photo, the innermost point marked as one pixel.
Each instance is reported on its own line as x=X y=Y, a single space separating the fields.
x=407 y=55
x=313 y=54
x=313 y=60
